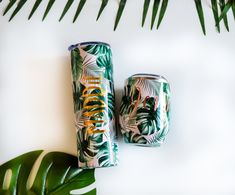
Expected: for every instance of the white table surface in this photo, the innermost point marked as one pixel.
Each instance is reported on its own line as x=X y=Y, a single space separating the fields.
x=198 y=156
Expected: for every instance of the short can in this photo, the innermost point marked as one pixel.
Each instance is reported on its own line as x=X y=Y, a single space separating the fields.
x=145 y=110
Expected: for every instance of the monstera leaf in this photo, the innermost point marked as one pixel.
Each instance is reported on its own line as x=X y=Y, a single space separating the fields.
x=57 y=175
x=147 y=118
x=129 y=99
x=77 y=95
x=95 y=145
x=104 y=58
x=131 y=137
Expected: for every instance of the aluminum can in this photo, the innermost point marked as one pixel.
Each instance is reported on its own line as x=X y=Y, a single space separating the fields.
x=93 y=97
x=145 y=110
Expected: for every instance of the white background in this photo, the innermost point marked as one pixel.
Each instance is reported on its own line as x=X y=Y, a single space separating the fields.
x=36 y=110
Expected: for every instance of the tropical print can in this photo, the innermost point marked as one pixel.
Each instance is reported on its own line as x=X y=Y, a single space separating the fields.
x=144 y=112
x=93 y=95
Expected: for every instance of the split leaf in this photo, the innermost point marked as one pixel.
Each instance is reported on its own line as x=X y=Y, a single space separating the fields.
x=57 y=174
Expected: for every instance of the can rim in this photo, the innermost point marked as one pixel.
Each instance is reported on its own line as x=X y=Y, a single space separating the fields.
x=150 y=76
x=71 y=47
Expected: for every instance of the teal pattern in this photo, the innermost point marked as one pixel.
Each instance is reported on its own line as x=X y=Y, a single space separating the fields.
x=93 y=95
x=145 y=110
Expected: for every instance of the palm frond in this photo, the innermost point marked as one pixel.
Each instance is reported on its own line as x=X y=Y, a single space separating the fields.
x=9 y=6
x=36 y=5
x=49 y=6
x=224 y=9
x=103 y=5
x=215 y=13
x=145 y=11
x=66 y=8
x=17 y=9
x=162 y=12
x=79 y=9
x=154 y=12
x=200 y=13
x=121 y=7
x=219 y=8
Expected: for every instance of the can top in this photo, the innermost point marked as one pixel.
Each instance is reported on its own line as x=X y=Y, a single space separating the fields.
x=71 y=47
x=159 y=78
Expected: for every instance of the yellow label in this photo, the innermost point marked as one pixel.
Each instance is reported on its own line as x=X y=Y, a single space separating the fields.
x=100 y=105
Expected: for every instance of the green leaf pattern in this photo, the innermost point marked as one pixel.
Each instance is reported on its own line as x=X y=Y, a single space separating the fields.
x=97 y=149
x=144 y=112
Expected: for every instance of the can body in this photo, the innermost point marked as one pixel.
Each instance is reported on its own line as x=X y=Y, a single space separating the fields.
x=144 y=112
x=93 y=95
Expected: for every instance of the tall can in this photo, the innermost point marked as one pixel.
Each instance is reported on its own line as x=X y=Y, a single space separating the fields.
x=145 y=109
x=93 y=95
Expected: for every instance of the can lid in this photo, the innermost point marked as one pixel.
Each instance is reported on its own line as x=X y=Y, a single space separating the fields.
x=150 y=76
x=71 y=47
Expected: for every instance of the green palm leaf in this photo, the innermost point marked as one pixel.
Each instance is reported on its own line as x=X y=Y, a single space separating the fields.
x=121 y=7
x=79 y=9
x=9 y=6
x=66 y=8
x=49 y=6
x=36 y=5
x=103 y=5
x=145 y=11
x=17 y=9
x=215 y=13
x=162 y=12
x=57 y=175
x=154 y=12
x=233 y=8
x=198 y=4
x=224 y=9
